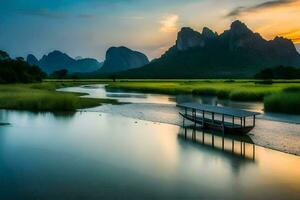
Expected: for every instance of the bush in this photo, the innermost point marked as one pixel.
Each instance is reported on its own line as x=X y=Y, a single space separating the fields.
x=205 y=91
x=246 y=96
x=292 y=89
x=223 y=94
x=284 y=102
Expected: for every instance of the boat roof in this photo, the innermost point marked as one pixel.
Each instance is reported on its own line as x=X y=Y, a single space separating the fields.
x=218 y=109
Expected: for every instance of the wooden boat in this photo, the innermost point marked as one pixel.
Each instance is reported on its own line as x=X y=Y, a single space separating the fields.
x=216 y=118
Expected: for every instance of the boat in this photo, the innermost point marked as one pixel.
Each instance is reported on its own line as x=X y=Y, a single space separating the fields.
x=217 y=118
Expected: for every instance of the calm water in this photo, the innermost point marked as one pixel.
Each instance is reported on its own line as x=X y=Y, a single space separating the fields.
x=93 y=155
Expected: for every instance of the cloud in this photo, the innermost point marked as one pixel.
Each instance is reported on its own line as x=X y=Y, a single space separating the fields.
x=85 y=16
x=54 y=14
x=293 y=35
x=132 y=17
x=169 y=23
x=268 y=4
x=45 y=13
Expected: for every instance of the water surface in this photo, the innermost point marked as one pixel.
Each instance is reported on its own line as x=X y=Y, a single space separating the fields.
x=276 y=131
x=89 y=155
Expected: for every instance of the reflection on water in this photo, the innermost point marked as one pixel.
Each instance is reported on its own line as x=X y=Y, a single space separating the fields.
x=237 y=145
x=93 y=156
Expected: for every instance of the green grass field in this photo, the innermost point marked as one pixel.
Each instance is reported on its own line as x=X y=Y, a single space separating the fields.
x=235 y=90
x=242 y=90
x=280 y=96
x=43 y=97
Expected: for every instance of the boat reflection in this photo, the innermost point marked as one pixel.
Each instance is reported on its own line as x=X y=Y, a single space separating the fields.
x=234 y=145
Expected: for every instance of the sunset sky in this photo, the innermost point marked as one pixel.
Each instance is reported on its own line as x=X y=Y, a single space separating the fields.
x=88 y=27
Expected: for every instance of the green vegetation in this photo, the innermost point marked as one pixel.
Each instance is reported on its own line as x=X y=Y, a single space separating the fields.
x=19 y=71
x=280 y=72
x=285 y=102
x=43 y=97
x=278 y=96
x=239 y=90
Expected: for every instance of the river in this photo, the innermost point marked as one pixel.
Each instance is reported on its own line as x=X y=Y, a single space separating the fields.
x=108 y=152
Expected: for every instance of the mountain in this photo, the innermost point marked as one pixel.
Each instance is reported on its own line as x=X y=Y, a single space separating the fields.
x=88 y=64
x=236 y=53
x=32 y=60
x=4 y=55
x=119 y=59
x=57 y=60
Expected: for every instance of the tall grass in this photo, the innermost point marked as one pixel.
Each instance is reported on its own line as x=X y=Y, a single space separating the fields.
x=43 y=101
x=43 y=97
x=284 y=102
x=233 y=90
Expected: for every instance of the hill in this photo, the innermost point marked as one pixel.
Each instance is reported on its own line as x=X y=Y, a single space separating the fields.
x=57 y=60
x=119 y=59
x=236 y=53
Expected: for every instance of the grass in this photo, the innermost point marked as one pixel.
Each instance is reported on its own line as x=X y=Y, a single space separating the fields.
x=278 y=96
x=239 y=90
x=43 y=97
x=285 y=102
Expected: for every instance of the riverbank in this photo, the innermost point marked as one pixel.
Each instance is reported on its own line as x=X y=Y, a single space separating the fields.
x=270 y=93
x=44 y=97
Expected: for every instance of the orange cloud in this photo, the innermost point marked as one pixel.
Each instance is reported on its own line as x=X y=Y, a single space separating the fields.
x=294 y=36
x=280 y=20
x=169 y=24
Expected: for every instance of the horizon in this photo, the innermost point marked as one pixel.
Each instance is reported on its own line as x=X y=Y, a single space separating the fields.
x=75 y=27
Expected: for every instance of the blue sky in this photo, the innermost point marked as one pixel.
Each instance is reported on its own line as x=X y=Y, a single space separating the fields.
x=88 y=27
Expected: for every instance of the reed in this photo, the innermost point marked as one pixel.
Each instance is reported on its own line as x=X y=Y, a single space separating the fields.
x=43 y=97
x=284 y=102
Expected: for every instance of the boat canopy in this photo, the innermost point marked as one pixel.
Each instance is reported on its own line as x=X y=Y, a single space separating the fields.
x=218 y=110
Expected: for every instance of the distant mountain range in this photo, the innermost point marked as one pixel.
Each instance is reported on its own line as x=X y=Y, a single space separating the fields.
x=119 y=59
x=237 y=52
x=57 y=60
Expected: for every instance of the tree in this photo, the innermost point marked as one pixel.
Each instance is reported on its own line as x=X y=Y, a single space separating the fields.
x=60 y=74
x=19 y=71
x=265 y=74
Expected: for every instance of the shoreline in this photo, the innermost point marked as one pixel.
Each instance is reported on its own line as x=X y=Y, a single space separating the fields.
x=271 y=138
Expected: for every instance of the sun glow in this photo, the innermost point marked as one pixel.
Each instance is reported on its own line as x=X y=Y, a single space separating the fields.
x=274 y=21
x=294 y=36
x=169 y=24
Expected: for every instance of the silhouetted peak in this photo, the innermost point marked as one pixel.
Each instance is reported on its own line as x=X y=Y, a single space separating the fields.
x=32 y=60
x=186 y=29
x=56 y=53
x=283 y=43
x=122 y=58
x=188 y=38
x=281 y=39
x=239 y=28
x=120 y=48
x=4 y=55
x=208 y=33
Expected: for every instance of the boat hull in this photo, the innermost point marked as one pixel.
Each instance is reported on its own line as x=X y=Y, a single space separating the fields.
x=218 y=125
